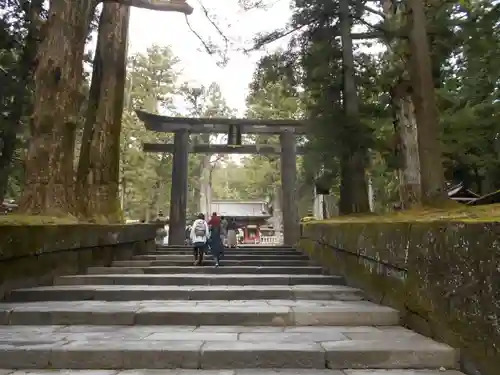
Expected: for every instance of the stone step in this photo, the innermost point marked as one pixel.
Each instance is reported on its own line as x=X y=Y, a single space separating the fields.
x=231 y=372
x=207 y=270
x=251 y=313
x=240 y=247
x=229 y=251
x=199 y=279
x=208 y=262
x=206 y=348
x=194 y=293
x=226 y=257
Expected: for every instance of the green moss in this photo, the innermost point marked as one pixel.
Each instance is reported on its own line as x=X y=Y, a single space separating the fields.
x=443 y=294
x=20 y=220
x=489 y=213
x=36 y=220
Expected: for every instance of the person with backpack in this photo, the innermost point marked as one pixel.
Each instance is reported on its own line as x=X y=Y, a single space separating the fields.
x=199 y=238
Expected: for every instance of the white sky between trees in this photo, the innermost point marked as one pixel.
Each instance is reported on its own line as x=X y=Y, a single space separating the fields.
x=198 y=67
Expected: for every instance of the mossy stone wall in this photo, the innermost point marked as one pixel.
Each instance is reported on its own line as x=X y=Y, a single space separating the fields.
x=35 y=254
x=444 y=277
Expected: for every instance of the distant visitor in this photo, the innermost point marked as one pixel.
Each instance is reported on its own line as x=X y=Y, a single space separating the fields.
x=199 y=239
x=232 y=227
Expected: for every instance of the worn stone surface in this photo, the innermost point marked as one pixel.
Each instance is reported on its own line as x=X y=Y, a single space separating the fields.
x=196 y=293
x=199 y=279
x=389 y=353
x=56 y=333
x=189 y=262
x=230 y=372
x=227 y=256
x=249 y=321
x=251 y=312
x=277 y=270
x=242 y=354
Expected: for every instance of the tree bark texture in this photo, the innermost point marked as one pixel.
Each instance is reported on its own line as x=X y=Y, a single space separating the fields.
x=353 y=189
x=98 y=168
x=405 y=126
x=429 y=145
x=57 y=98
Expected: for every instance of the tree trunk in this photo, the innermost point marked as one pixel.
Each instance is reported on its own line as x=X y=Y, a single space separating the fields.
x=98 y=169
x=353 y=189
x=57 y=98
x=405 y=126
x=429 y=145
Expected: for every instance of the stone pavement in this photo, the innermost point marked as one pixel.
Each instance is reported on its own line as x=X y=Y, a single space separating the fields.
x=266 y=311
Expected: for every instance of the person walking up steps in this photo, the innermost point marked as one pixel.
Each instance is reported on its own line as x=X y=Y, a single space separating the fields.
x=216 y=245
x=199 y=238
x=215 y=241
x=232 y=227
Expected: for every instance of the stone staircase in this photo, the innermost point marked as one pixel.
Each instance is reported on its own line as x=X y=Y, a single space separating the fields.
x=263 y=309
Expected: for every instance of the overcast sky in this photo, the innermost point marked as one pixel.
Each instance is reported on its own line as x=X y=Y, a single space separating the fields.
x=150 y=27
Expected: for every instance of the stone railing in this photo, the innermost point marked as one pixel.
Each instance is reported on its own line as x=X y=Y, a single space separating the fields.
x=34 y=254
x=443 y=277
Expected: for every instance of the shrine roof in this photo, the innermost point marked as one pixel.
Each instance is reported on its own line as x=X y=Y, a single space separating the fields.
x=255 y=209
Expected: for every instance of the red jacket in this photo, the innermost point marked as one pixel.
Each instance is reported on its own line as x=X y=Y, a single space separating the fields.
x=214 y=221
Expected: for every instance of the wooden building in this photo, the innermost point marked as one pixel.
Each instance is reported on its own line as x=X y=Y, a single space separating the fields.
x=250 y=216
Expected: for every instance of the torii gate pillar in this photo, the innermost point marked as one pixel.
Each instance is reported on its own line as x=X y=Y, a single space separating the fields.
x=288 y=187
x=178 y=198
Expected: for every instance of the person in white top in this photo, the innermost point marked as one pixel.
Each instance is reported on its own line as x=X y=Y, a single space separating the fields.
x=199 y=237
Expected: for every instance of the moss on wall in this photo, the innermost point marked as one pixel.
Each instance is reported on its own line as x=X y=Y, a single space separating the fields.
x=443 y=276
x=34 y=254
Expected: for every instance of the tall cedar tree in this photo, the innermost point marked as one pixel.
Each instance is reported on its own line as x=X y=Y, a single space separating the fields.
x=49 y=162
x=57 y=98
x=98 y=168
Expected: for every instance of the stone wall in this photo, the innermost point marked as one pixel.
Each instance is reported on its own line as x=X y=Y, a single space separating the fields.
x=444 y=277
x=33 y=255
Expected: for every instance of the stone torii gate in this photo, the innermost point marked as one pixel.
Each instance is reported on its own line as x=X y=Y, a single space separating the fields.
x=234 y=128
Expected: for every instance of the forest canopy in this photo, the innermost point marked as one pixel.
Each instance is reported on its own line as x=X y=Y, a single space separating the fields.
x=387 y=129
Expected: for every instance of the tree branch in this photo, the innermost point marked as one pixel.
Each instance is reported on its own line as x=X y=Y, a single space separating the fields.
x=275 y=36
x=210 y=47
x=205 y=45
x=160 y=5
x=223 y=36
x=374 y=11
x=368 y=35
